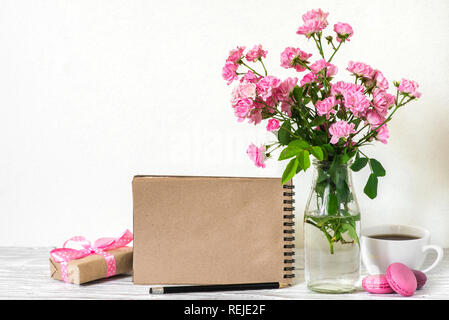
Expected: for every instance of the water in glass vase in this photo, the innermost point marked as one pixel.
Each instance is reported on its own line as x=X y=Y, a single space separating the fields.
x=333 y=253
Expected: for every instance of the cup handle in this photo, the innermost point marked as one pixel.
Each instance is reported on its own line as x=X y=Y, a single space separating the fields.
x=439 y=251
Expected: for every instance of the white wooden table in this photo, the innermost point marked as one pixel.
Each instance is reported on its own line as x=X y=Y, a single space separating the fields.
x=24 y=274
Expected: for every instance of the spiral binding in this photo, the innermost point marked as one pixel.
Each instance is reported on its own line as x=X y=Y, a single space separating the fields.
x=288 y=231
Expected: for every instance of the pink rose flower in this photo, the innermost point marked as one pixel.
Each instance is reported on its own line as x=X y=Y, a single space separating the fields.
x=326 y=106
x=256 y=53
x=321 y=64
x=229 y=72
x=374 y=119
x=286 y=106
x=383 y=134
x=243 y=90
x=382 y=101
x=272 y=125
x=257 y=155
x=410 y=87
x=242 y=109
x=360 y=69
x=340 y=129
x=269 y=104
x=282 y=94
x=285 y=88
x=310 y=27
x=340 y=88
x=291 y=58
x=344 y=31
x=266 y=86
x=308 y=78
x=316 y=14
x=314 y=21
x=356 y=102
x=255 y=116
x=250 y=77
x=381 y=81
x=236 y=54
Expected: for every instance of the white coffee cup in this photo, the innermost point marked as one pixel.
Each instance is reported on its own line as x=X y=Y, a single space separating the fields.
x=378 y=254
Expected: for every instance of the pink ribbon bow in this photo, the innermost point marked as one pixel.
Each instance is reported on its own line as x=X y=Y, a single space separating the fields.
x=64 y=255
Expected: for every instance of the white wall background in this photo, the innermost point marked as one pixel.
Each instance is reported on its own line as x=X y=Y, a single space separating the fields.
x=94 y=92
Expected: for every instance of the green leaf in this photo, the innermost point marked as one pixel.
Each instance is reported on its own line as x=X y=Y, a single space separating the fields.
x=313 y=94
x=318 y=121
x=288 y=153
x=349 y=218
x=297 y=93
x=290 y=170
x=341 y=113
x=325 y=155
x=320 y=188
x=329 y=149
x=377 y=168
x=333 y=170
x=317 y=153
x=332 y=204
x=284 y=133
x=356 y=122
x=306 y=100
x=304 y=159
x=321 y=138
x=344 y=158
x=322 y=176
x=293 y=149
x=343 y=192
x=347 y=156
x=359 y=164
x=371 y=186
x=300 y=144
x=352 y=232
x=323 y=221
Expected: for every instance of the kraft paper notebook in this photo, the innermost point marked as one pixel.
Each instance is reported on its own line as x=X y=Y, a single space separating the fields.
x=212 y=230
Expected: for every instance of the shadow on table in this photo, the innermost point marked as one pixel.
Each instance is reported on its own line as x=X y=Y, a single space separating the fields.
x=106 y=280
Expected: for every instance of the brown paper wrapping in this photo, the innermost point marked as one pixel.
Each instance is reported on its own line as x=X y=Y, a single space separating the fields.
x=93 y=267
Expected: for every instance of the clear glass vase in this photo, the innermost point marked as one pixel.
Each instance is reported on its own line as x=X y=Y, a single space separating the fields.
x=332 y=230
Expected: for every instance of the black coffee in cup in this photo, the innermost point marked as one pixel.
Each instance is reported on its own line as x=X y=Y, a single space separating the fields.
x=393 y=237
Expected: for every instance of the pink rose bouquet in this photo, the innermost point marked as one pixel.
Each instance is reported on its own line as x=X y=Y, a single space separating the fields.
x=332 y=119
x=313 y=114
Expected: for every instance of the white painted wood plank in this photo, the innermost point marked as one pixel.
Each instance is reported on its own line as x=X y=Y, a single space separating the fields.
x=24 y=274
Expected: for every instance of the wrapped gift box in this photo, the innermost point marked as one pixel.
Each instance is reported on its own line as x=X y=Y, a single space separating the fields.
x=93 y=267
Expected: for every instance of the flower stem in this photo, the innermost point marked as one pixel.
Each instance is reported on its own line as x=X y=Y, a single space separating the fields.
x=274 y=109
x=318 y=44
x=373 y=132
x=363 y=153
x=250 y=68
x=294 y=135
x=266 y=73
x=335 y=51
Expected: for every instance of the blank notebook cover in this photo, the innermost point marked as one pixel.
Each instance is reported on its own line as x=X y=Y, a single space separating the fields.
x=212 y=230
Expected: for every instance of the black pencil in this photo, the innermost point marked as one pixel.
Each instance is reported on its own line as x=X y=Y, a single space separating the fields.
x=217 y=287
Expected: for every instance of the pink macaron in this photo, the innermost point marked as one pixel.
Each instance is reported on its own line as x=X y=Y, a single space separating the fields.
x=376 y=284
x=421 y=278
x=401 y=279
